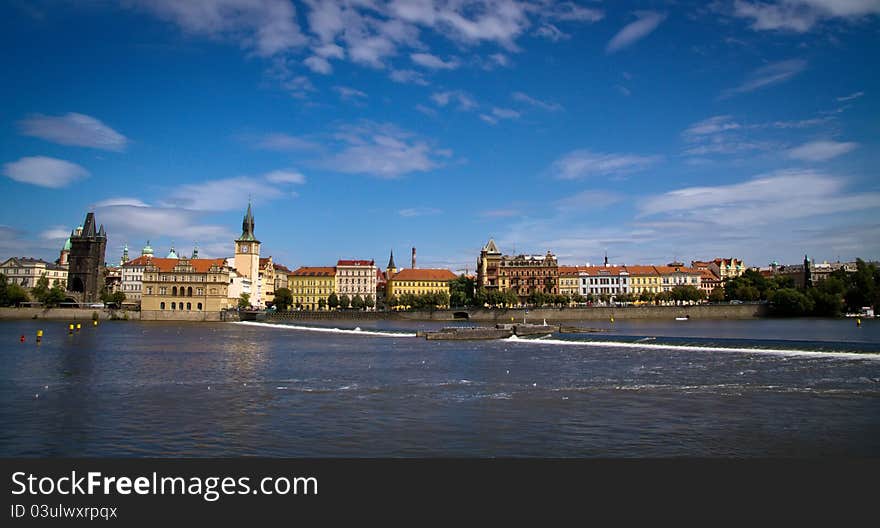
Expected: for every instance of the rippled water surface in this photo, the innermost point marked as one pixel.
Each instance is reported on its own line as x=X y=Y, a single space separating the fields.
x=641 y=389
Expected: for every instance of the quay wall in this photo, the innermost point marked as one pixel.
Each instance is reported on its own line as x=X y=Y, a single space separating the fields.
x=78 y=314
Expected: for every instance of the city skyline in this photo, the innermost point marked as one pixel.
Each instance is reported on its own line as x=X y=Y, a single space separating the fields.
x=653 y=131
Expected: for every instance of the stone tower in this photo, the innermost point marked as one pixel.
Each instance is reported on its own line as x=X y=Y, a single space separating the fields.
x=392 y=267
x=86 y=260
x=247 y=249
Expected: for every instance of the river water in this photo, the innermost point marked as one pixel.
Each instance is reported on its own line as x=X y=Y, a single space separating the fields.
x=802 y=388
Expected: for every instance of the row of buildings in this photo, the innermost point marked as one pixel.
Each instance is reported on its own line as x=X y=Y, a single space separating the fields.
x=178 y=286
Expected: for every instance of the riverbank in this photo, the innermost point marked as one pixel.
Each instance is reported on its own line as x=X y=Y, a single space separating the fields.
x=72 y=314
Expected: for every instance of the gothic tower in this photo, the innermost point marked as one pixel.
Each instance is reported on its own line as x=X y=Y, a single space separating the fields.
x=247 y=249
x=86 y=260
x=392 y=267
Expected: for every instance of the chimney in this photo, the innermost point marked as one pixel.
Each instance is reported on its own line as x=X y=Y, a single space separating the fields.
x=414 y=258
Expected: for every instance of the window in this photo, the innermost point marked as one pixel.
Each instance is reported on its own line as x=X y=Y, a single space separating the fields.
x=161 y=306
x=173 y=305
x=188 y=306
x=199 y=306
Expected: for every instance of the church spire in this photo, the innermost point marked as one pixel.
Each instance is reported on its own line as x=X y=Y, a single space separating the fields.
x=391 y=264
x=247 y=225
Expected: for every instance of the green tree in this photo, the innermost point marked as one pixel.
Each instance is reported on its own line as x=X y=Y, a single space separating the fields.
x=3 y=285
x=344 y=301
x=791 y=302
x=369 y=302
x=647 y=296
x=509 y=298
x=41 y=291
x=244 y=301
x=461 y=291
x=357 y=302
x=441 y=299
x=15 y=295
x=283 y=299
x=537 y=298
x=333 y=301
x=578 y=298
x=717 y=295
x=481 y=298
x=322 y=303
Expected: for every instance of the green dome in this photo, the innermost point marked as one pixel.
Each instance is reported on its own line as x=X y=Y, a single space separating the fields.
x=66 y=245
x=147 y=249
x=172 y=254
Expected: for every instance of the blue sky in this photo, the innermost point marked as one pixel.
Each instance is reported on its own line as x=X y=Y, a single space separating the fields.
x=650 y=130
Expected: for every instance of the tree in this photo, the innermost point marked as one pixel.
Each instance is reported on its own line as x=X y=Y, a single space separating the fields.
x=344 y=301
x=481 y=297
x=647 y=296
x=15 y=295
x=791 y=302
x=717 y=295
x=333 y=301
x=578 y=298
x=441 y=299
x=369 y=302
x=322 y=303
x=41 y=290
x=537 y=298
x=244 y=301
x=115 y=299
x=510 y=298
x=357 y=302
x=283 y=299
x=461 y=291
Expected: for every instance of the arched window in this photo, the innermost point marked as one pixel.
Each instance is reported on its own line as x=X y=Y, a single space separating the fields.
x=180 y=306
x=174 y=291
x=173 y=306
x=189 y=292
x=189 y=306
x=199 y=306
x=161 y=306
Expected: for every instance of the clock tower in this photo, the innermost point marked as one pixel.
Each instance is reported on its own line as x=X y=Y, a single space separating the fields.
x=247 y=249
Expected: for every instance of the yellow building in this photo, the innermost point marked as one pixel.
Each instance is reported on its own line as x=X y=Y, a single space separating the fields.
x=184 y=289
x=569 y=282
x=308 y=285
x=644 y=279
x=419 y=281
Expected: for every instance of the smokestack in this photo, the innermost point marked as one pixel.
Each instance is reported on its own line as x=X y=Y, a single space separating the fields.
x=414 y=258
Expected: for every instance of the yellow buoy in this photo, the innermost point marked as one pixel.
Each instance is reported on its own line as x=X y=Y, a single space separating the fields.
x=78 y=326
x=858 y=321
x=95 y=323
x=612 y=319
x=70 y=327
x=39 y=333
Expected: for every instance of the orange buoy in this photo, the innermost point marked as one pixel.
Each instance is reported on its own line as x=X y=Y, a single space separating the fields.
x=22 y=338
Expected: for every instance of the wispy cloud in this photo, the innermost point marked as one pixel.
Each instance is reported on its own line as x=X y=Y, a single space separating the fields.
x=73 y=129
x=544 y=105
x=498 y=114
x=712 y=125
x=634 y=31
x=346 y=92
x=285 y=176
x=419 y=211
x=226 y=194
x=821 y=150
x=500 y=213
x=465 y=101
x=800 y=16
x=44 y=171
x=408 y=77
x=434 y=62
x=381 y=150
x=851 y=96
x=769 y=75
x=589 y=200
x=584 y=163
x=285 y=142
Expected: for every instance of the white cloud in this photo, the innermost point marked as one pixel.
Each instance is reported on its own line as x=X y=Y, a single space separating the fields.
x=769 y=75
x=498 y=114
x=121 y=200
x=634 y=31
x=775 y=197
x=419 y=211
x=74 y=129
x=319 y=65
x=801 y=15
x=464 y=100
x=266 y=27
x=433 y=62
x=220 y=195
x=285 y=176
x=285 y=142
x=821 y=150
x=380 y=150
x=44 y=171
x=346 y=92
x=500 y=213
x=544 y=105
x=56 y=233
x=583 y=163
x=850 y=97
x=551 y=32
x=712 y=125
x=408 y=77
x=589 y=200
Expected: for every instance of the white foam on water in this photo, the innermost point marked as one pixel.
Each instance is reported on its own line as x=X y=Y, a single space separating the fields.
x=356 y=331
x=694 y=348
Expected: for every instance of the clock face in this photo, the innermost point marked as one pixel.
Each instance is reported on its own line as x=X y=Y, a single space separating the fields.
x=244 y=248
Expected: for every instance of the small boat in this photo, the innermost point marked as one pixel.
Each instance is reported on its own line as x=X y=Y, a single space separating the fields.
x=685 y=318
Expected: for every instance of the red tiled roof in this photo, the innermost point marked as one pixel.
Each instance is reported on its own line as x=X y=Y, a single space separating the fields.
x=568 y=271
x=280 y=267
x=641 y=270
x=707 y=274
x=424 y=274
x=603 y=270
x=664 y=270
x=355 y=263
x=314 y=271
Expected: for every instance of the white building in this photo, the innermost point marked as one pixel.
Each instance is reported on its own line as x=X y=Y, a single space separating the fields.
x=133 y=274
x=603 y=280
x=26 y=272
x=238 y=284
x=356 y=277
